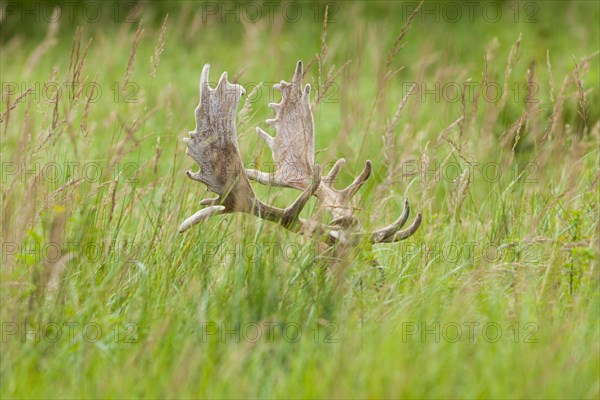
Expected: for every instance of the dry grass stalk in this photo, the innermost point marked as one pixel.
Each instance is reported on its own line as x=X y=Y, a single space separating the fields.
x=113 y=192
x=75 y=46
x=390 y=147
x=582 y=112
x=76 y=62
x=458 y=148
x=427 y=184
x=321 y=61
x=6 y=115
x=388 y=73
x=494 y=112
x=193 y=26
x=246 y=111
x=131 y=62
x=236 y=77
x=585 y=60
x=26 y=132
x=53 y=268
x=169 y=110
x=463 y=109
x=512 y=59
x=553 y=117
x=556 y=103
x=331 y=76
x=514 y=131
x=55 y=113
x=11 y=105
x=158 y=152
x=530 y=101
x=51 y=199
x=442 y=134
x=155 y=60
x=484 y=82
x=396 y=47
x=47 y=43
x=86 y=110
x=52 y=81
x=51 y=131
x=136 y=124
x=550 y=76
x=461 y=194
x=322 y=57
x=309 y=65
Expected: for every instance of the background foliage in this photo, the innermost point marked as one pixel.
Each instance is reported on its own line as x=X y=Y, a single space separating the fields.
x=495 y=296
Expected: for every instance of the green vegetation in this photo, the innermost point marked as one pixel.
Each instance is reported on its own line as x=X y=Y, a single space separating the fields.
x=495 y=296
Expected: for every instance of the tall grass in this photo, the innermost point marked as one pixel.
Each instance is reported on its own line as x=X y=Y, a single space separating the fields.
x=495 y=296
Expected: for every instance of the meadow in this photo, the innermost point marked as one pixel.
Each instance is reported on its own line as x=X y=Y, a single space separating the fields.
x=486 y=117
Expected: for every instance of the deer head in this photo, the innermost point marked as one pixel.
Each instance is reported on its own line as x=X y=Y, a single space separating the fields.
x=213 y=145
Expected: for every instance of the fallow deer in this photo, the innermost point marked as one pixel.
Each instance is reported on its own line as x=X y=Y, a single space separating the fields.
x=213 y=145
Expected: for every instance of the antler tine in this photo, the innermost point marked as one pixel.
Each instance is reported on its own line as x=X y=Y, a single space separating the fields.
x=200 y=216
x=298 y=73
x=394 y=235
x=392 y=232
x=381 y=234
x=223 y=82
x=334 y=172
x=263 y=177
x=291 y=214
x=351 y=190
x=266 y=137
x=296 y=80
x=401 y=235
x=209 y=202
x=204 y=86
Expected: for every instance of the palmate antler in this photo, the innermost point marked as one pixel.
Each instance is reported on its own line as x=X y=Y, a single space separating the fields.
x=214 y=147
